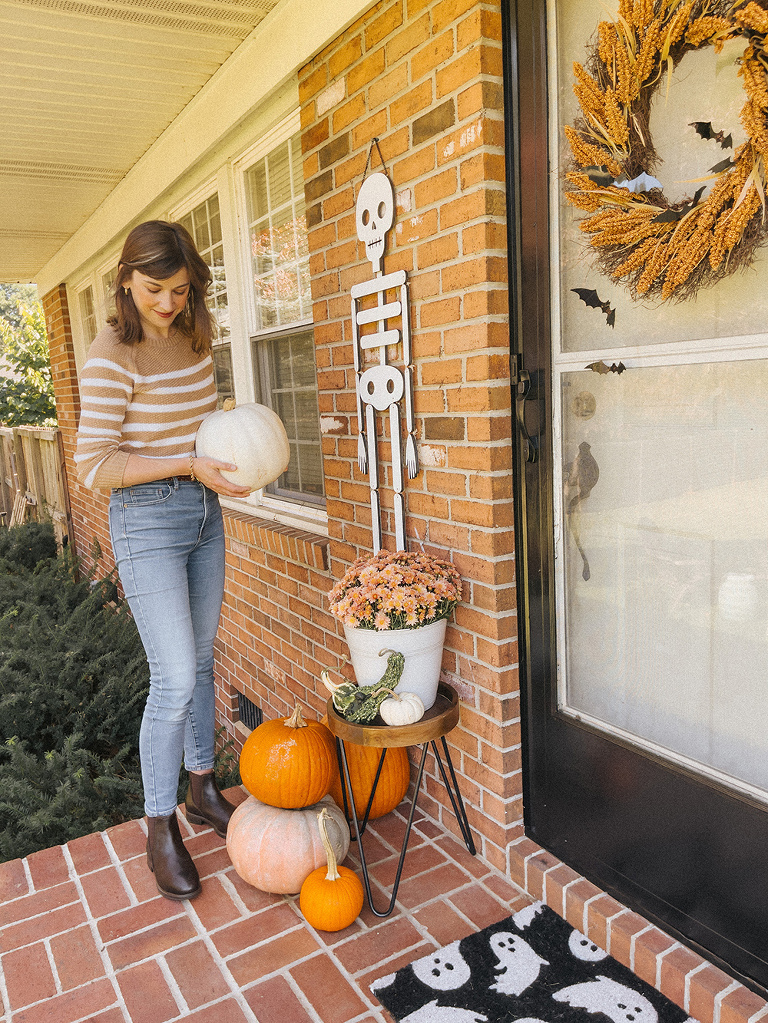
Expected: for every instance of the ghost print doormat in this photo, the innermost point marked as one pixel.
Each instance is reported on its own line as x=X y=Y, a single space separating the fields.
x=532 y=967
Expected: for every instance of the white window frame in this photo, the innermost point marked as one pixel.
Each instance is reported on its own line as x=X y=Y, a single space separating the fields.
x=269 y=506
x=80 y=335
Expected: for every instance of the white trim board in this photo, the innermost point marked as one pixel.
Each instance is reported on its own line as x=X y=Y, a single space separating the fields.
x=282 y=43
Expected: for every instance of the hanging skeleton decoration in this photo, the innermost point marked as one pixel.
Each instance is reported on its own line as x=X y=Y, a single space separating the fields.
x=380 y=388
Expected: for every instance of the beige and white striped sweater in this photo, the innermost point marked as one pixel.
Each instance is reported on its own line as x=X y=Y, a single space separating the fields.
x=145 y=399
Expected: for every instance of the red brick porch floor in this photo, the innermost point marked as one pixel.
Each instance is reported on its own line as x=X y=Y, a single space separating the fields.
x=84 y=936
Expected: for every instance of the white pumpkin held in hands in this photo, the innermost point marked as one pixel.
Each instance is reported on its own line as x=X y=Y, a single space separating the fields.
x=250 y=436
x=402 y=709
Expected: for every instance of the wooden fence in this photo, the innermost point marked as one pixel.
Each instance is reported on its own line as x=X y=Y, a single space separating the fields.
x=33 y=482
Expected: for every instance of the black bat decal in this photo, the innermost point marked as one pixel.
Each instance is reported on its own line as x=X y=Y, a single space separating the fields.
x=671 y=215
x=599 y=175
x=705 y=129
x=723 y=165
x=602 y=367
x=589 y=297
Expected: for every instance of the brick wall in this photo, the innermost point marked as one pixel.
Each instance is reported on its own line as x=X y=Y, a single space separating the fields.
x=88 y=509
x=425 y=79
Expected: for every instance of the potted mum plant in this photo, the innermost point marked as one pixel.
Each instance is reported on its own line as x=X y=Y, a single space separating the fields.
x=399 y=602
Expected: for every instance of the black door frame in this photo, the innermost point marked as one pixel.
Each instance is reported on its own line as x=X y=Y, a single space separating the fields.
x=637 y=826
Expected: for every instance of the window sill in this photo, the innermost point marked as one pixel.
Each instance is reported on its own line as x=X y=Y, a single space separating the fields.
x=244 y=529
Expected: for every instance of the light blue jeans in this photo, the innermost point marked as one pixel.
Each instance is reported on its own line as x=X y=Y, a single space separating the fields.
x=168 y=541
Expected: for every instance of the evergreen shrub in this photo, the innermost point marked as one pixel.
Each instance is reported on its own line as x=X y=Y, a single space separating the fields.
x=73 y=682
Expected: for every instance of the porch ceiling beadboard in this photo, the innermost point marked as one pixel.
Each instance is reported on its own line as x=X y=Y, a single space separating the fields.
x=86 y=87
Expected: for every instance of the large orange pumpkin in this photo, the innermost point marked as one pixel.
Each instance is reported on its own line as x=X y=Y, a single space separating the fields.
x=393 y=783
x=275 y=850
x=289 y=762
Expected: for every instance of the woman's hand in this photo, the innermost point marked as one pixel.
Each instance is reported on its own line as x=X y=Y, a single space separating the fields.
x=208 y=471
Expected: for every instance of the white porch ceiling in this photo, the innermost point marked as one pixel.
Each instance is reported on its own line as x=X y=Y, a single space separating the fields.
x=86 y=87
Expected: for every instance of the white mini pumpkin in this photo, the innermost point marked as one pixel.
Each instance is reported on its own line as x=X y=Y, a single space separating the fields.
x=252 y=437
x=402 y=709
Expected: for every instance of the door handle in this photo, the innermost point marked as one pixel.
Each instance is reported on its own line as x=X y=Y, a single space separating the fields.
x=523 y=394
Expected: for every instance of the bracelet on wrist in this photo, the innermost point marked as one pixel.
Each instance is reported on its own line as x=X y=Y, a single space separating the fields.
x=192 y=467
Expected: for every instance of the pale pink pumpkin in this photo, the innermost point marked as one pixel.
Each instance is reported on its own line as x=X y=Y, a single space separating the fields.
x=275 y=850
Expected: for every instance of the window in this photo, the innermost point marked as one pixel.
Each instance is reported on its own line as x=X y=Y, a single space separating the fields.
x=87 y=314
x=108 y=290
x=283 y=340
x=204 y=224
x=285 y=379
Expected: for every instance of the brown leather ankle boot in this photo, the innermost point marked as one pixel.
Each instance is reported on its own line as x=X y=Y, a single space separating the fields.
x=175 y=873
x=206 y=805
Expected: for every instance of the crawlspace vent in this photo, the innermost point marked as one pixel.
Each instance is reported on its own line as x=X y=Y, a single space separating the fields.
x=250 y=714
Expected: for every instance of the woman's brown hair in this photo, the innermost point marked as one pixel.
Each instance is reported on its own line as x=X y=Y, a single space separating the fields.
x=159 y=250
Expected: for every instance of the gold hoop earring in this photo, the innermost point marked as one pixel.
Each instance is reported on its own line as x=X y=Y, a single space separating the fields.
x=126 y=290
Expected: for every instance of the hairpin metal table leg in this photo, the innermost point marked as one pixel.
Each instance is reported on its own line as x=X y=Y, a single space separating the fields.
x=456 y=802
x=359 y=833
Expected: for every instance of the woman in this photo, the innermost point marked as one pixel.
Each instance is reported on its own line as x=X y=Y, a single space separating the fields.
x=145 y=389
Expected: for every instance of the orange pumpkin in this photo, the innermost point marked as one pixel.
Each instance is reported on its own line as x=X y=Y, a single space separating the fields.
x=289 y=762
x=331 y=898
x=393 y=783
x=275 y=850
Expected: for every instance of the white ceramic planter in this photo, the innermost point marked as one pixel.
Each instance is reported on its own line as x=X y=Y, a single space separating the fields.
x=422 y=649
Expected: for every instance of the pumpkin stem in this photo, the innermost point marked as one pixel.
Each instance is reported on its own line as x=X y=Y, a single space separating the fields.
x=228 y=405
x=296 y=720
x=333 y=873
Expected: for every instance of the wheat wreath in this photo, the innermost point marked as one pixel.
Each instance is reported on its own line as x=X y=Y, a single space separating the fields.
x=654 y=247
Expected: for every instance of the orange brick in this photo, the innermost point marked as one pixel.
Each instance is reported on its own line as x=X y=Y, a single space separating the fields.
x=410 y=229
x=438 y=187
x=407 y=39
x=441 y=250
x=28 y=976
x=417 y=99
x=348 y=112
x=448 y=11
x=675 y=968
x=347 y=54
x=415 y=165
x=480 y=24
x=741 y=1005
x=439 y=50
x=484 y=237
x=366 y=71
x=384 y=25
x=146 y=993
x=479 y=60
x=647 y=949
x=313 y=83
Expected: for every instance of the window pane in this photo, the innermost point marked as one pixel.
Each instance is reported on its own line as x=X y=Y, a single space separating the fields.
x=278 y=237
x=279 y=177
x=108 y=290
x=87 y=314
x=222 y=373
x=287 y=383
x=204 y=224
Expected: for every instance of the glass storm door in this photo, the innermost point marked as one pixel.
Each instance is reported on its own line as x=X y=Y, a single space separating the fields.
x=642 y=513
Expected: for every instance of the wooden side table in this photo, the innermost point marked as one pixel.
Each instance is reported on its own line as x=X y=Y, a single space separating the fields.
x=437 y=722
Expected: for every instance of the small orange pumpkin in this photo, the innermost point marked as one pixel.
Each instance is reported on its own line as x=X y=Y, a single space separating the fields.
x=275 y=850
x=289 y=762
x=393 y=783
x=331 y=898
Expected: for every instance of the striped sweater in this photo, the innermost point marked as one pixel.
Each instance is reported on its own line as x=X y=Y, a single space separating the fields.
x=145 y=399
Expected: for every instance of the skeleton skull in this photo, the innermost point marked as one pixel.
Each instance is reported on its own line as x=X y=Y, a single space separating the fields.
x=375 y=213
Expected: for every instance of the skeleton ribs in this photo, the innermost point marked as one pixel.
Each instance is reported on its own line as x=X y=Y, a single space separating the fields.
x=380 y=388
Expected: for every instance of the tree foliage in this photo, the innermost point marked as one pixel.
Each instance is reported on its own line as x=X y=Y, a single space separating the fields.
x=26 y=384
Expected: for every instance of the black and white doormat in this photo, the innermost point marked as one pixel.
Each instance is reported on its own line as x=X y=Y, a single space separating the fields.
x=532 y=967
